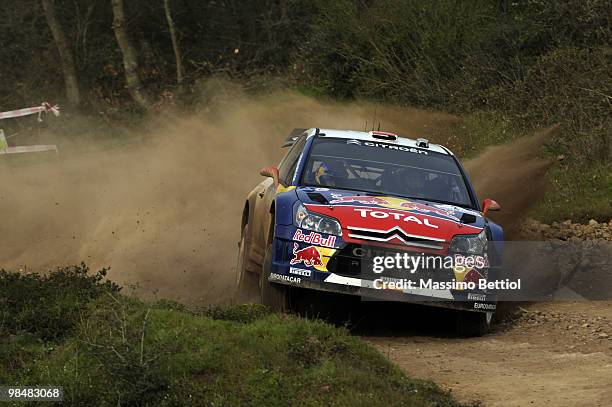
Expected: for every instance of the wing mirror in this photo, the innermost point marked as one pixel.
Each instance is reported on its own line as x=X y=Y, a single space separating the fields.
x=271 y=172
x=489 y=205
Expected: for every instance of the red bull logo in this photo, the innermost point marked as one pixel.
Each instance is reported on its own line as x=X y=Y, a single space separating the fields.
x=363 y=200
x=396 y=203
x=314 y=238
x=310 y=256
x=413 y=206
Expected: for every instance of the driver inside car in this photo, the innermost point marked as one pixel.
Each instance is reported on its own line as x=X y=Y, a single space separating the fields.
x=328 y=173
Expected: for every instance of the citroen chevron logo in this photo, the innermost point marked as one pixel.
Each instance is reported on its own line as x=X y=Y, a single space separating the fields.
x=395 y=233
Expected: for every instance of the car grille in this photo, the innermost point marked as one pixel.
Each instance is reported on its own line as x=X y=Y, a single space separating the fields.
x=396 y=233
x=356 y=261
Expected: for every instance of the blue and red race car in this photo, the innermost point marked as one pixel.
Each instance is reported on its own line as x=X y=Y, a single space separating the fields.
x=370 y=214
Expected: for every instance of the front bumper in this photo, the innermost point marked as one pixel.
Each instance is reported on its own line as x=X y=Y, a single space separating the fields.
x=312 y=273
x=417 y=296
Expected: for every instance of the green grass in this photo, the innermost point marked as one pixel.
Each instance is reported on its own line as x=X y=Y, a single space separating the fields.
x=578 y=189
x=120 y=350
x=577 y=192
x=480 y=130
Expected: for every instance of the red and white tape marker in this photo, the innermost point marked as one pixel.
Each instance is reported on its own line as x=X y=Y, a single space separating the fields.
x=28 y=149
x=45 y=107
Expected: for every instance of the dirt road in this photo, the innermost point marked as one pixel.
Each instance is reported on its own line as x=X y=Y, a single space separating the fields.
x=555 y=354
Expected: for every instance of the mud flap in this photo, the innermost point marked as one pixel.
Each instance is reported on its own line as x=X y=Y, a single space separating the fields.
x=471 y=323
x=275 y=296
x=248 y=283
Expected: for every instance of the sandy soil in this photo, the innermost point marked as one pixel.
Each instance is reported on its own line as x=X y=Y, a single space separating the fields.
x=555 y=354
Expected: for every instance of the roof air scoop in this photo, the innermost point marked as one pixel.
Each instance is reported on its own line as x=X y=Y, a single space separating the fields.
x=383 y=135
x=422 y=142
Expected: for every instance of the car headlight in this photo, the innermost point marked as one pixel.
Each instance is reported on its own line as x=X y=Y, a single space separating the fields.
x=469 y=244
x=317 y=223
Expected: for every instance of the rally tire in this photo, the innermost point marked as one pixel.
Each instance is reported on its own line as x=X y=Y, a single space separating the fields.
x=470 y=324
x=247 y=282
x=275 y=296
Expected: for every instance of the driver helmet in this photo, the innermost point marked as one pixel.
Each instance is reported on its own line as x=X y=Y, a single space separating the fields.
x=327 y=173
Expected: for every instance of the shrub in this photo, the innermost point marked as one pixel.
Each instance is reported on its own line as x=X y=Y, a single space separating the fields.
x=49 y=306
x=239 y=312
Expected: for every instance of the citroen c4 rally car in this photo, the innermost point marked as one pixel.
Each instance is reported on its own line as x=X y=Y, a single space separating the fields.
x=342 y=200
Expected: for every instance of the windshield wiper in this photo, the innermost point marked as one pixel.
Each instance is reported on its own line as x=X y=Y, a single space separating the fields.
x=362 y=191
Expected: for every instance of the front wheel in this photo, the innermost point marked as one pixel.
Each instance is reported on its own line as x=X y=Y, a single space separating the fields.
x=474 y=323
x=275 y=296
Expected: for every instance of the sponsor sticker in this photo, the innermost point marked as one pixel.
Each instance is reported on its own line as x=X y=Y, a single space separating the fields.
x=364 y=213
x=482 y=305
x=300 y=272
x=282 y=277
x=309 y=256
x=447 y=211
x=361 y=199
x=390 y=283
x=314 y=238
x=476 y=297
x=387 y=146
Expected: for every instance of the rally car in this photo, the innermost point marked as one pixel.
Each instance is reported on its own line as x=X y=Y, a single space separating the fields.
x=340 y=201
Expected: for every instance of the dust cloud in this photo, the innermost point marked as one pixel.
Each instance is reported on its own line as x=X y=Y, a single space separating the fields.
x=164 y=214
x=513 y=175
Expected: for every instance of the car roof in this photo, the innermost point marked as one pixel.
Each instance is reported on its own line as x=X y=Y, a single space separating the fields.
x=370 y=136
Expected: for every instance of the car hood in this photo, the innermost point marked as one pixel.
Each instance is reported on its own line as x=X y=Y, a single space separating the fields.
x=389 y=219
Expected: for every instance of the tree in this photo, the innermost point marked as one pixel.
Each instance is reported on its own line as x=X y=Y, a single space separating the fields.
x=65 y=52
x=180 y=71
x=130 y=60
x=284 y=9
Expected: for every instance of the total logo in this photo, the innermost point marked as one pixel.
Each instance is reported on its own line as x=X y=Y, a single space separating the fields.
x=395 y=203
x=314 y=238
x=364 y=213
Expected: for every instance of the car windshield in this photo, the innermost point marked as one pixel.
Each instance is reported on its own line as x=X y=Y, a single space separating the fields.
x=385 y=169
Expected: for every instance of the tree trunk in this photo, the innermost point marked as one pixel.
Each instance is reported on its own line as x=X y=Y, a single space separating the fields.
x=130 y=61
x=180 y=72
x=65 y=52
x=284 y=9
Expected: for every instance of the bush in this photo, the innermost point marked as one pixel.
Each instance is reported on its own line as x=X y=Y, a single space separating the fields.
x=450 y=54
x=130 y=353
x=239 y=312
x=569 y=86
x=49 y=306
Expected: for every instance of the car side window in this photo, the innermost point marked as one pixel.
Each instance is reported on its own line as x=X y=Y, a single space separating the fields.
x=288 y=165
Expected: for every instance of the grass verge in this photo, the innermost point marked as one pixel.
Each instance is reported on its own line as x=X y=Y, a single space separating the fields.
x=579 y=193
x=578 y=189
x=110 y=349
